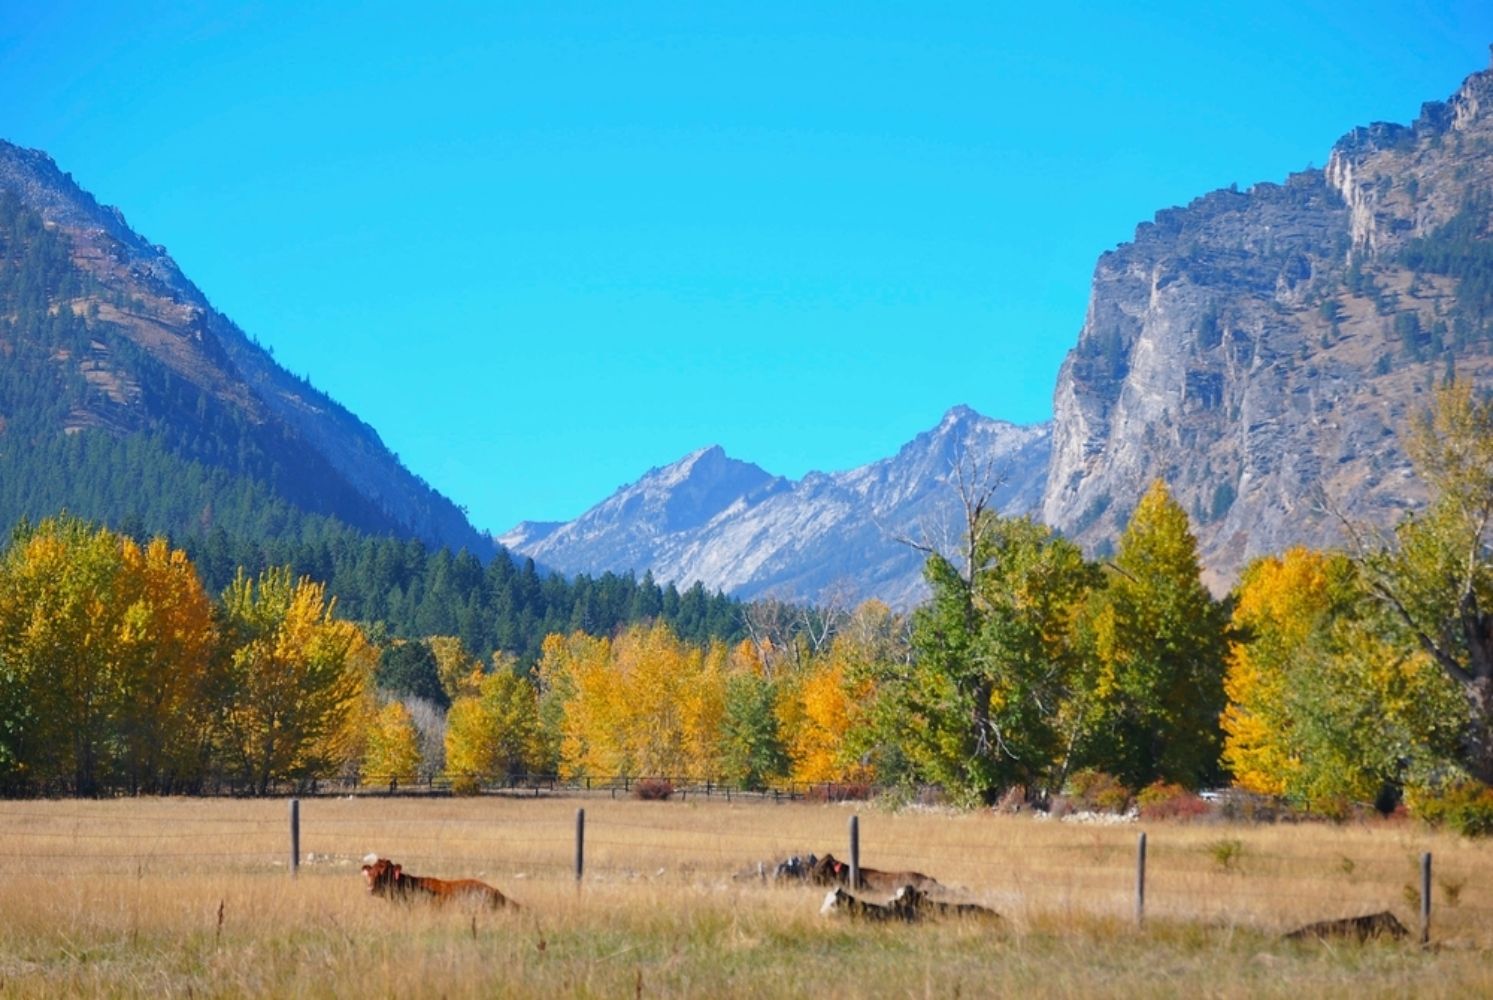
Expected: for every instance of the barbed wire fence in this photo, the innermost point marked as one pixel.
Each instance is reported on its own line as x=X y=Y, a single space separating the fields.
x=1159 y=873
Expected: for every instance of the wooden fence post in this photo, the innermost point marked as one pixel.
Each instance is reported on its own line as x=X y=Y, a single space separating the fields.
x=580 y=845
x=855 y=852
x=1425 y=899
x=1140 y=881
x=295 y=837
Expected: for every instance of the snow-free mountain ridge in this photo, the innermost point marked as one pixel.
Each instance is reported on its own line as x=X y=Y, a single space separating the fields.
x=830 y=536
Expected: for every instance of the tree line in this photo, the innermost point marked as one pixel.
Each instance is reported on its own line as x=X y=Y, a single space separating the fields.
x=1328 y=679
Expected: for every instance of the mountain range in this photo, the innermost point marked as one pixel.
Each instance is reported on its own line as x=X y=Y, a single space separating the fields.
x=838 y=536
x=1261 y=350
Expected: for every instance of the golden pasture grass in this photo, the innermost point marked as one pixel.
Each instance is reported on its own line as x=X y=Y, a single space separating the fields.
x=190 y=897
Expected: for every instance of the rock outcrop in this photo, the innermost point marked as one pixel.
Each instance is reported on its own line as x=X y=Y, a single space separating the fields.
x=1263 y=350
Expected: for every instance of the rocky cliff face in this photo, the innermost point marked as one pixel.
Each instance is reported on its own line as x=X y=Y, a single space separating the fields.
x=829 y=536
x=1263 y=350
x=135 y=290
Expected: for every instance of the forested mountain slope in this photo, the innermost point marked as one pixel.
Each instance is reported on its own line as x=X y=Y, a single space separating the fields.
x=124 y=396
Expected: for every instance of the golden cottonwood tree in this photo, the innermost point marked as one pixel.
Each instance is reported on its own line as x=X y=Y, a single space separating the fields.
x=581 y=702
x=454 y=665
x=392 y=751
x=835 y=696
x=642 y=704
x=105 y=656
x=1324 y=707
x=494 y=730
x=297 y=677
x=170 y=654
x=1283 y=610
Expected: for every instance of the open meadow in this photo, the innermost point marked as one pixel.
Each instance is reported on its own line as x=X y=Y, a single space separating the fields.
x=193 y=898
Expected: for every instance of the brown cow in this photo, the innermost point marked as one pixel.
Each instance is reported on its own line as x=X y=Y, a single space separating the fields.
x=387 y=879
x=1361 y=929
x=830 y=871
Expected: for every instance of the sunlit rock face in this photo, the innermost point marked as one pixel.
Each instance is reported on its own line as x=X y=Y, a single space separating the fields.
x=1264 y=350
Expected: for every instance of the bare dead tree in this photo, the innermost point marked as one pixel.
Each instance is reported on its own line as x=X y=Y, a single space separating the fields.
x=975 y=485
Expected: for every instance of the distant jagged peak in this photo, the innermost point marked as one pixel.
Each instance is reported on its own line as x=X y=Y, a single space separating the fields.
x=710 y=463
x=961 y=423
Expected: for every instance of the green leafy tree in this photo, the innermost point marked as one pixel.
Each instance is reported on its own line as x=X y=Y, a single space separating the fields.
x=1156 y=642
x=752 y=751
x=993 y=672
x=1436 y=580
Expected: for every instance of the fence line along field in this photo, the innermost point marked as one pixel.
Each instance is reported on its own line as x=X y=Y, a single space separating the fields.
x=193 y=897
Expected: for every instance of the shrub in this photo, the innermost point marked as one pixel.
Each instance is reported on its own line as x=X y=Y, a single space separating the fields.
x=653 y=789
x=1463 y=806
x=1164 y=800
x=1096 y=791
x=1226 y=853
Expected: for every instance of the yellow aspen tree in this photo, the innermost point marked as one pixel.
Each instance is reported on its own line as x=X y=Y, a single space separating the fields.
x=392 y=751
x=107 y=648
x=1324 y=708
x=1282 y=603
x=580 y=696
x=297 y=676
x=828 y=698
x=168 y=647
x=494 y=732
x=57 y=612
x=454 y=665
x=704 y=711
x=651 y=671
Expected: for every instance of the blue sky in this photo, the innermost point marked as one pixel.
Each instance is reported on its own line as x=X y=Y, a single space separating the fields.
x=543 y=247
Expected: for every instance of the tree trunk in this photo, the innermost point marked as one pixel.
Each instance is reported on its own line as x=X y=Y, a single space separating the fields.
x=1477 y=741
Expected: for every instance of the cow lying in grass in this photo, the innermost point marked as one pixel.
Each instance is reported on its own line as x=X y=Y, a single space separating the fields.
x=387 y=879
x=830 y=871
x=908 y=905
x=1361 y=929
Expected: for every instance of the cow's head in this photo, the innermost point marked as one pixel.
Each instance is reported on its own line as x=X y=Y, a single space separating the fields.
x=380 y=874
x=837 y=899
x=827 y=871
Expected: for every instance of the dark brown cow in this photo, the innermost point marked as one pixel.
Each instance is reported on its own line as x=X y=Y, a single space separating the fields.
x=387 y=879
x=830 y=871
x=918 y=901
x=907 y=905
x=1361 y=929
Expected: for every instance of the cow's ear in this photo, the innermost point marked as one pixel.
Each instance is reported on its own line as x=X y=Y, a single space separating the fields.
x=398 y=870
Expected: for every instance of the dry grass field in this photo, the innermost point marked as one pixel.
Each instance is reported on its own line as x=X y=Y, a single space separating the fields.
x=193 y=898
